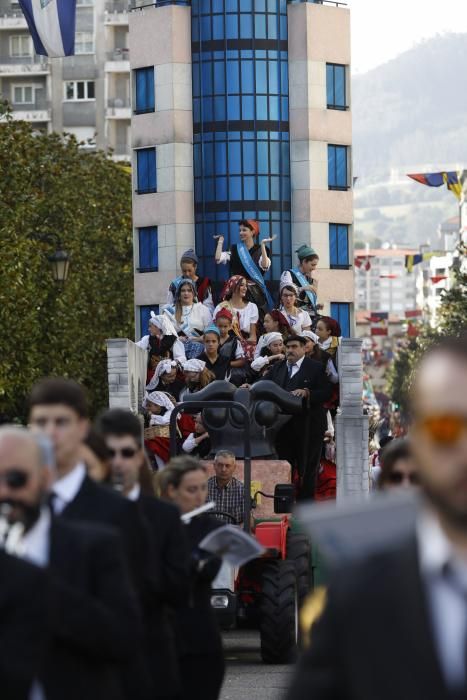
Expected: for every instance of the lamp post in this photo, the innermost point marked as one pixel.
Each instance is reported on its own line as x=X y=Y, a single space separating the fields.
x=60 y=260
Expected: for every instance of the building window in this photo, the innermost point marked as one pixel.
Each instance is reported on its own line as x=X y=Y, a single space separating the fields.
x=338 y=175
x=339 y=246
x=146 y=170
x=340 y=311
x=20 y=45
x=335 y=86
x=144 y=90
x=23 y=94
x=79 y=90
x=144 y=316
x=84 y=42
x=148 y=249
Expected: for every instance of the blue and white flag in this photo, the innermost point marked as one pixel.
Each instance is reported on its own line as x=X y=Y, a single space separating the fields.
x=52 y=25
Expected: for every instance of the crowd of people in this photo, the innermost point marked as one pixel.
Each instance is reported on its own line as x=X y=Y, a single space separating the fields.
x=104 y=590
x=242 y=337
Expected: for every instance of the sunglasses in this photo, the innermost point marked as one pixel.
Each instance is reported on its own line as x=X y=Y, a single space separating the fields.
x=14 y=478
x=444 y=430
x=399 y=477
x=126 y=452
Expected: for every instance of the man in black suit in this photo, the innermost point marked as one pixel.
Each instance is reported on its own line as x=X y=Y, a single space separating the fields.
x=23 y=625
x=300 y=441
x=93 y=623
x=122 y=432
x=395 y=624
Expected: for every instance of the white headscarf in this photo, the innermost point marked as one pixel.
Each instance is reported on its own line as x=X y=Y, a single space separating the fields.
x=194 y=365
x=164 y=367
x=164 y=323
x=160 y=399
x=311 y=335
x=269 y=338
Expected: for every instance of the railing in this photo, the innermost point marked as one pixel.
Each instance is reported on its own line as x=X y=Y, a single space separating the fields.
x=122 y=149
x=117 y=6
x=24 y=60
x=40 y=104
x=119 y=55
x=118 y=103
x=11 y=12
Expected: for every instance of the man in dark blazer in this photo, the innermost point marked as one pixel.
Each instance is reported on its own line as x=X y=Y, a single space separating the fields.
x=122 y=432
x=93 y=622
x=23 y=625
x=395 y=624
x=300 y=440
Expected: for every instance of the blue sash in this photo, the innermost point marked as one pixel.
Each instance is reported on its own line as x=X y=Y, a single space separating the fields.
x=304 y=283
x=253 y=272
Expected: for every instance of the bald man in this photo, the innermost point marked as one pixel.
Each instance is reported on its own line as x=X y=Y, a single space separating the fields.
x=93 y=620
x=395 y=625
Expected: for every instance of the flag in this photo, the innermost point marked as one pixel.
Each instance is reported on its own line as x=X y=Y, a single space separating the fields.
x=363 y=260
x=450 y=179
x=413 y=330
x=52 y=26
x=379 y=323
x=411 y=260
x=415 y=313
x=437 y=278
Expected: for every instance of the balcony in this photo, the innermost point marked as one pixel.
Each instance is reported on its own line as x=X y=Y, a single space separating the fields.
x=118 y=108
x=121 y=152
x=11 y=66
x=38 y=111
x=116 y=13
x=12 y=19
x=118 y=61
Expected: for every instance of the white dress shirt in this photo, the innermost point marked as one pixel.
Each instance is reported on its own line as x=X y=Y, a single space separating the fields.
x=133 y=495
x=65 y=489
x=295 y=367
x=447 y=596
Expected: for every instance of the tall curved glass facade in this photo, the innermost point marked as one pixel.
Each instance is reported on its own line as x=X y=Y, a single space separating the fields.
x=240 y=125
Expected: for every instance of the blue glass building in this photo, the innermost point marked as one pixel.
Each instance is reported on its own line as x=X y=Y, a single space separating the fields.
x=241 y=125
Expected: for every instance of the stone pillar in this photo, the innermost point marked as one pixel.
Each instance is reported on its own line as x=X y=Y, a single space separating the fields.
x=351 y=423
x=126 y=368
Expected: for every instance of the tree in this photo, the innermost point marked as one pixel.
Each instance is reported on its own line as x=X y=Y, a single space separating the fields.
x=50 y=186
x=452 y=320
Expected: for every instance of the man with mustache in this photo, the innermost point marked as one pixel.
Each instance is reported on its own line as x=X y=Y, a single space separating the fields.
x=92 y=615
x=395 y=624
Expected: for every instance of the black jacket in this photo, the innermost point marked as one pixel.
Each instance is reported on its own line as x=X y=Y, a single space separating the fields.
x=374 y=640
x=311 y=375
x=23 y=625
x=169 y=554
x=99 y=504
x=95 y=625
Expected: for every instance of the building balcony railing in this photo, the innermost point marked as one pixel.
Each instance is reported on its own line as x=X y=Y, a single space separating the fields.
x=118 y=108
x=38 y=111
x=119 y=55
x=12 y=19
x=19 y=65
x=116 y=12
x=118 y=61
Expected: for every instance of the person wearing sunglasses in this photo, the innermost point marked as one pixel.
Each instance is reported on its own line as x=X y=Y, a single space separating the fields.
x=92 y=621
x=394 y=623
x=122 y=432
x=397 y=466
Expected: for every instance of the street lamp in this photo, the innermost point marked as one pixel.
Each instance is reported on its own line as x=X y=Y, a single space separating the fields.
x=60 y=261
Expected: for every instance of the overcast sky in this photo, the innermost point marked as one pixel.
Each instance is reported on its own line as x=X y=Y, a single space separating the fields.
x=382 y=29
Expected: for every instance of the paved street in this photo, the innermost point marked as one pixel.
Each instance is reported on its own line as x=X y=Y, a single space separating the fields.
x=246 y=675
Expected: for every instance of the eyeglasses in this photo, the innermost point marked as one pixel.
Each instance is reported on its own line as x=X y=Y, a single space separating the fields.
x=445 y=429
x=15 y=478
x=399 y=477
x=125 y=452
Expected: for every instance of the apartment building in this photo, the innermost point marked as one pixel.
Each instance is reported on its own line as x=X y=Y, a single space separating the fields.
x=87 y=94
x=382 y=282
x=241 y=109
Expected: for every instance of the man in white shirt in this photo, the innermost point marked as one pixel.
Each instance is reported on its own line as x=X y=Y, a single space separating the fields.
x=395 y=624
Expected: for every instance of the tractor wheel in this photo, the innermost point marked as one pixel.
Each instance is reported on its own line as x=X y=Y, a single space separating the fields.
x=299 y=552
x=279 y=613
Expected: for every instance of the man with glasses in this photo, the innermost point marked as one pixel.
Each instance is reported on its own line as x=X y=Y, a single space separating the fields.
x=395 y=624
x=91 y=615
x=122 y=432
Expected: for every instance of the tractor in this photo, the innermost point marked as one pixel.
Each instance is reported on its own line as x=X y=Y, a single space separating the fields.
x=267 y=592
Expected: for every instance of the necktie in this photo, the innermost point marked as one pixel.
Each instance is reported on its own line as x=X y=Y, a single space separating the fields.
x=290 y=369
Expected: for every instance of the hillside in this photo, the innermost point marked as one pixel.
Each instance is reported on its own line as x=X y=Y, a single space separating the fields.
x=409 y=115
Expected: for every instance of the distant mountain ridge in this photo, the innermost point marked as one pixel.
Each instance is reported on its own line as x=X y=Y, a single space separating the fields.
x=412 y=109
